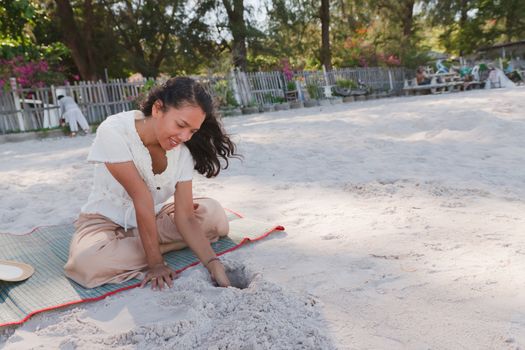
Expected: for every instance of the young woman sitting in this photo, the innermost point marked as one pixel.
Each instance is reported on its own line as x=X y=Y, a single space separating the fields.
x=141 y=204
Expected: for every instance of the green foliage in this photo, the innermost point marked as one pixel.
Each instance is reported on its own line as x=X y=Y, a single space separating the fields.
x=293 y=32
x=467 y=25
x=94 y=127
x=346 y=83
x=415 y=57
x=278 y=99
x=313 y=91
x=143 y=93
x=224 y=94
x=252 y=103
x=291 y=86
x=270 y=98
x=263 y=61
x=17 y=18
x=168 y=36
x=28 y=44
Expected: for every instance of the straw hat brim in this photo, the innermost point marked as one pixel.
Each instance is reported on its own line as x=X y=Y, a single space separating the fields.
x=15 y=271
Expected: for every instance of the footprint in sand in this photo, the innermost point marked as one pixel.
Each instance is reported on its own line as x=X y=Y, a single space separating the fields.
x=17 y=203
x=453 y=205
x=331 y=236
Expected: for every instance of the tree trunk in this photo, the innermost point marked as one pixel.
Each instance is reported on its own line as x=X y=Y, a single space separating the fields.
x=462 y=23
x=408 y=18
x=324 y=15
x=82 y=54
x=237 y=26
x=512 y=19
x=88 y=37
x=407 y=13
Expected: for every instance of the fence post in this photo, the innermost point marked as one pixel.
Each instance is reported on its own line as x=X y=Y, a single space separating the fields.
x=390 y=80
x=105 y=99
x=246 y=90
x=327 y=87
x=18 y=105
x=235 y=87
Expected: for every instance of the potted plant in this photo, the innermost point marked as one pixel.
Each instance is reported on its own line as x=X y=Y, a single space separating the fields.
x=251 y=108
x=343 y=88
x=291 y=91
x=336 y=100
x=282 y=104
x=361 y=91
x=269 y=102
x=296 y=104
x=313 y=94
x=372 y=94
x=225 y=99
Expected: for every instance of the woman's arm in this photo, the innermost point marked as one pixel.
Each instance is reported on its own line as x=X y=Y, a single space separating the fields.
x=128 y=176
x=193 y=234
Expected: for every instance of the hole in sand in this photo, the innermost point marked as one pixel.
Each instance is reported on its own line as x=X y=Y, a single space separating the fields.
x=239 y=277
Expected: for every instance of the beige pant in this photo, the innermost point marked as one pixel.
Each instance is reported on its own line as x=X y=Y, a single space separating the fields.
x=102 y=252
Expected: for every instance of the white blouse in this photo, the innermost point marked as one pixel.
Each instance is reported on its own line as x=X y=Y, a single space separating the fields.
x=117 y=141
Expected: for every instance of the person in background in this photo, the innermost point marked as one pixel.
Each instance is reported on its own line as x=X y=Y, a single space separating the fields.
x=72 y=114
x=421 y=77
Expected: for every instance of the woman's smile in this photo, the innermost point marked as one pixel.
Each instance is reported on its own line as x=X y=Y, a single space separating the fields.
x=173 y=142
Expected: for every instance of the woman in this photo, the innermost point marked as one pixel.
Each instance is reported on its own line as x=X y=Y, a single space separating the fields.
x=144 y=158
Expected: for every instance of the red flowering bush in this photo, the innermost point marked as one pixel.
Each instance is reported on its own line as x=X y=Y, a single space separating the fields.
x=29 y=74
x=358 y=50
x=388 y=60
x=287 y=71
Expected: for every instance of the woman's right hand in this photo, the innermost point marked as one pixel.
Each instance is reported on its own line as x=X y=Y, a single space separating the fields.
x=159 y=275
x=218 y=274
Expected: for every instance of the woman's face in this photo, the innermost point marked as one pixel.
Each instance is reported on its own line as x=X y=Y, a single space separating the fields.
x=176 y=125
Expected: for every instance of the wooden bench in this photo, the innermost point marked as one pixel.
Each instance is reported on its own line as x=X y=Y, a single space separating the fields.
x=411 y=86
x=474 y=84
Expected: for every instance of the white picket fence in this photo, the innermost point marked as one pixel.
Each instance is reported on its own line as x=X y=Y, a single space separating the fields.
x=262 y=87
x=32 y=109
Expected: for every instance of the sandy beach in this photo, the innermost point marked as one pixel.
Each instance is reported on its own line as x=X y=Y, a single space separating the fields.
x=405 y=222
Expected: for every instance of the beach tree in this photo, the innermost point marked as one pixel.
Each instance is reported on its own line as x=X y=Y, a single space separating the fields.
x=17 y=20
x=503 y=20
x=147 y=30
x=237 y=25
x=461 y=29
x=130 y=36
x=78 y=36
x=292 y=33
x=324 y=16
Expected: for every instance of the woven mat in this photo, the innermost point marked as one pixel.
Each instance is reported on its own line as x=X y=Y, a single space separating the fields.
x=46 y=249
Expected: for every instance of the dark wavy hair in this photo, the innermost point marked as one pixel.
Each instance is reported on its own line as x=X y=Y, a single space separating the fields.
x=210 y=142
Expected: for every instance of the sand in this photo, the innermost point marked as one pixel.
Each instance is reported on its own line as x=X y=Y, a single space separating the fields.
x=404 y=221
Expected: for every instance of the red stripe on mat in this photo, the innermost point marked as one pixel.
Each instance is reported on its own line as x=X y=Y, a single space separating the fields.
x=243 y=242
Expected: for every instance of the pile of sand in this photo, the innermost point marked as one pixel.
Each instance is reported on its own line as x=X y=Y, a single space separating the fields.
x=195 y=315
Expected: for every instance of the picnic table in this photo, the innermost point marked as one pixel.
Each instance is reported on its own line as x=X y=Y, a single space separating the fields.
x=440 y=83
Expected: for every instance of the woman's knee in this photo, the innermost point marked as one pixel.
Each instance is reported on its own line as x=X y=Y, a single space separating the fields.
x=213 y=217
x=83 y=267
